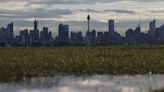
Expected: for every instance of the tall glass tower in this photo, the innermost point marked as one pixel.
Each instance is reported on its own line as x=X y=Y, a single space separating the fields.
x=35 y=25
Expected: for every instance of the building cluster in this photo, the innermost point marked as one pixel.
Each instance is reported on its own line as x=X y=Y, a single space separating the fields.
x=7 y=35
x=153 y=36
x=91 y=37
x=44 y=37
x=34 y=37
x=26 y=37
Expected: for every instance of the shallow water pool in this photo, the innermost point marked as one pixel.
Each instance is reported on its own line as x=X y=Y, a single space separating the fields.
x=97 y=83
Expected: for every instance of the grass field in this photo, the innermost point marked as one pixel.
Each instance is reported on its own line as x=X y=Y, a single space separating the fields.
x=159 y=90
x=18 y=63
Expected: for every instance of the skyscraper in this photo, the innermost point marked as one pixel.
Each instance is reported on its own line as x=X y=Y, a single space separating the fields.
x=76 y=38
x=9 y=33
x=24 y=37
x=34 y=34
x=138 y=29
x=35 y=25
x=152 y=29
x=152 y=25
x=45 y=34
x=111 y=26
x=63 y=33
x=50 y=35
x=2 y=35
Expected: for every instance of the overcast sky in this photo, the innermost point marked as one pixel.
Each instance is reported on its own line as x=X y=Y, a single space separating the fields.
x=126 y=13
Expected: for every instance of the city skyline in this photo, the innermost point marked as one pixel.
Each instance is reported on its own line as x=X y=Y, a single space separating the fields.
x=126 y=13
x=37 y=37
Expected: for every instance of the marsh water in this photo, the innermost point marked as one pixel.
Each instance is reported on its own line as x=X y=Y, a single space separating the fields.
x=97 y=83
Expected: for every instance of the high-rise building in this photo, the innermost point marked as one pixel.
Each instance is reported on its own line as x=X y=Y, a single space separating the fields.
x=7 y=34
x=111 y=26
x=10 y=33
x=160 y=34
x=63 y=33
x=76 y=38
x=152 y=29
x=34 y=34
x=44 y=34
x=24 y=37
x=50 y=35
x=152 y=25
x=2 y=35
x=130 y=36
x=138 y=29
x=35 y=25
x=100 y=37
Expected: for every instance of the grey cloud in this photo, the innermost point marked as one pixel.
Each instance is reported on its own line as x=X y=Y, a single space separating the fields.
x=52 y=13
x=87 y=1
x=122 y=11
x=49 y=2
x=39 y=13
x=156 y=11
x=119 y=11
x=89 y=10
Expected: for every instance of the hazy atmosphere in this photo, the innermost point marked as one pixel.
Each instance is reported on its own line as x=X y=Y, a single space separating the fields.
x=126 y=13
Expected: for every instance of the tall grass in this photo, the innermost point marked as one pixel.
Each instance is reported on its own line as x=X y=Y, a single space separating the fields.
x=19 y=63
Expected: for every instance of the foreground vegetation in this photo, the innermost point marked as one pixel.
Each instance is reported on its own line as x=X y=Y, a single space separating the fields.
x=19 y=63
x=159 y=90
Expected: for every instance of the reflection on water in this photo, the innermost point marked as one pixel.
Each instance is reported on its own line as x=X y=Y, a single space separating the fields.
x=98 y=83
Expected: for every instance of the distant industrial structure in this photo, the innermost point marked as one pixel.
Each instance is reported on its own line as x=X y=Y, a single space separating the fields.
x=36 y=37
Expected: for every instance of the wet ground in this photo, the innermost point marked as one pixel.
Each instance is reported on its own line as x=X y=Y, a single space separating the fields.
x=97 y=83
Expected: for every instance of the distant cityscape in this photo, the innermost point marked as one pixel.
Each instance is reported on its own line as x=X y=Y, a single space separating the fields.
x=44 y=37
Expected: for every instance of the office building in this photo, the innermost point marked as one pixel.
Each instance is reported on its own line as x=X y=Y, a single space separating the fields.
x=63 y=34
x=111 y=26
